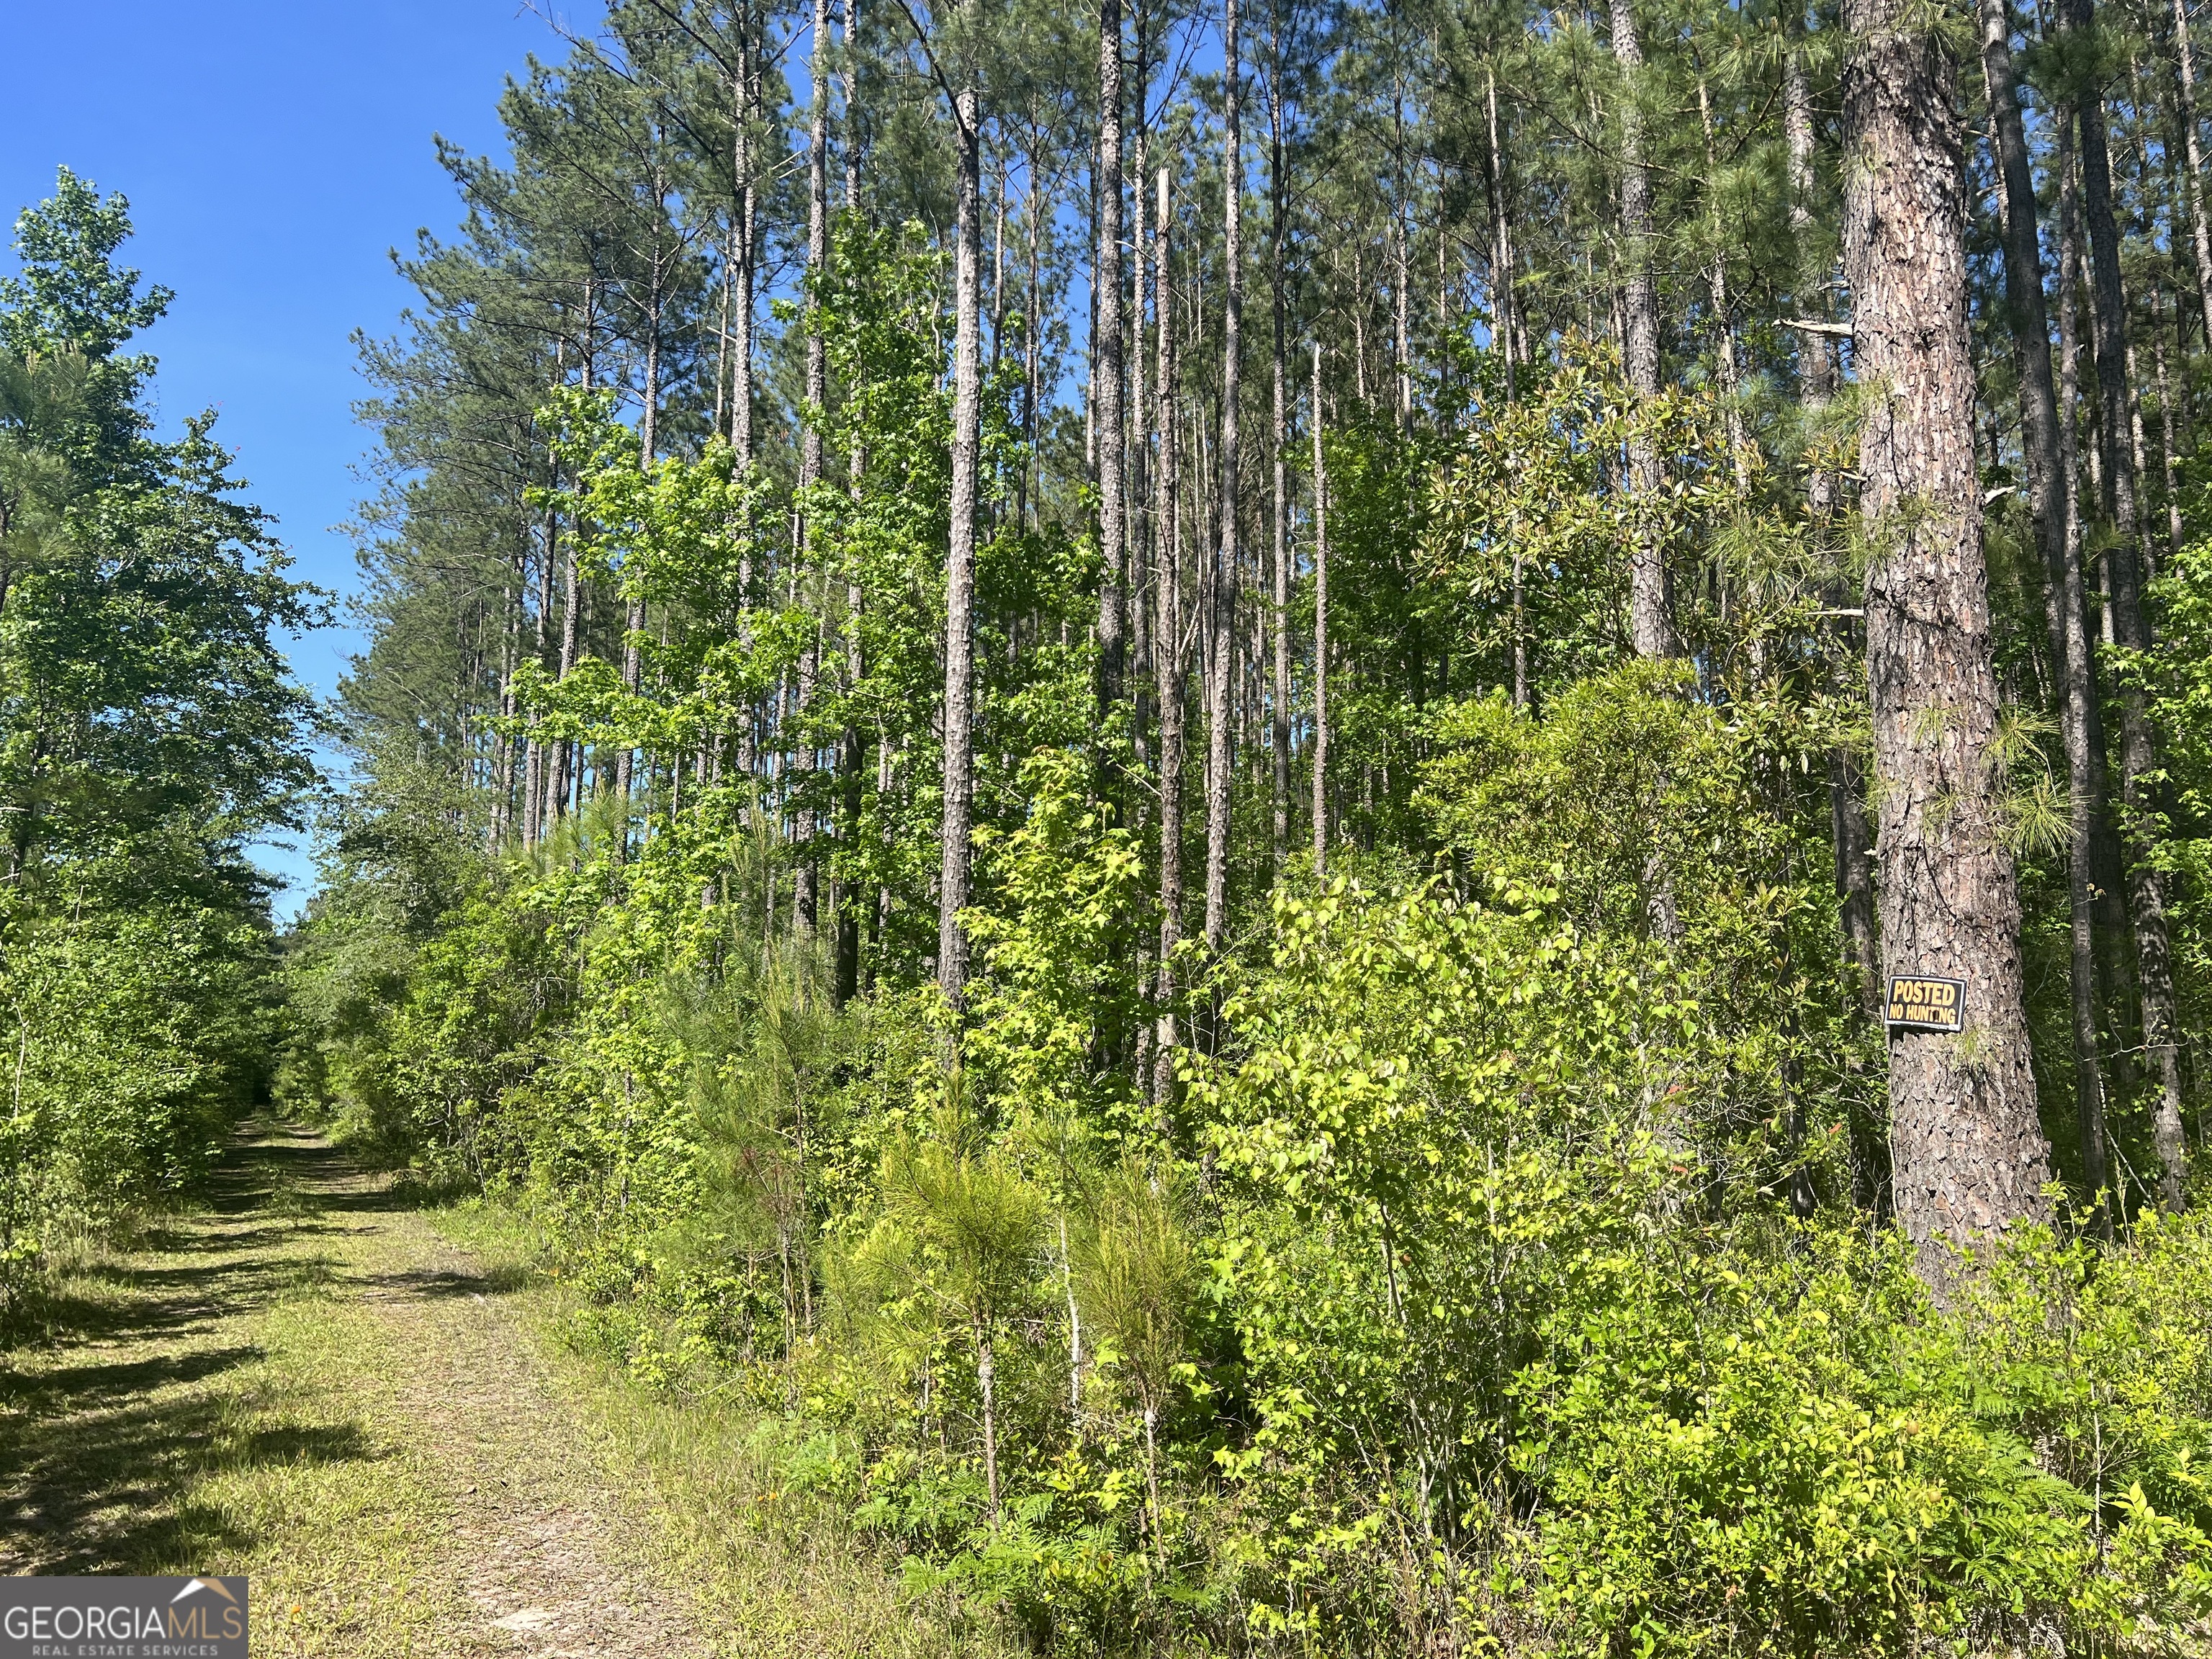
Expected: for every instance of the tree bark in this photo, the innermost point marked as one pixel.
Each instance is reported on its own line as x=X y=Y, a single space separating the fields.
x=2169 y=447
x=649 y=442
x=958 y=824
x=1167 y=646
x=1968 y=1156
x=1502 y=328
x=2065 y=615
x=2129 y=626
x=807 y=900
x=1731 y=380
x=1277 y=207
x=1651 y=619
x=2200 y=240
x=1816 y=379
x=1107 y=363
x=1227 y=548
x=853 y=749
x=1321 y=632
x=852 y=83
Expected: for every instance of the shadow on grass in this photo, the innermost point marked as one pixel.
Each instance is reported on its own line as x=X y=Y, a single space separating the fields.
x=433 y=1285
x=123 y=1396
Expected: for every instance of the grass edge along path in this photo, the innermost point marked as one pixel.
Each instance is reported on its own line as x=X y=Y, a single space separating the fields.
x=364 y=1406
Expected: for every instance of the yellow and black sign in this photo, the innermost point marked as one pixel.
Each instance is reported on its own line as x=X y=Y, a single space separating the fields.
x=1919 y=1004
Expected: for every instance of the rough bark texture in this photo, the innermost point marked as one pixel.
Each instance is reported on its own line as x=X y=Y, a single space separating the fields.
x=1816 y=376
x=1968 y=1156
x=2200 y=240
x=2070 y=643
x=1503 y=329
x=807 y=885
x=960 y=562
x=1321 y=633
x=1228 y=549
x=1167 y=648
x=852 y=748
x=2129 y=626
x=1106 y=359
x=1280 y=723
x=1651 y=621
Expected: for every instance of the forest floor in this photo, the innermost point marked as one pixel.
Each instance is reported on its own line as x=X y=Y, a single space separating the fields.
x=313 y=1383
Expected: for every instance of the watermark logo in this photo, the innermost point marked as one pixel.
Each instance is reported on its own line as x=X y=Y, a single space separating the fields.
x=122 y=1619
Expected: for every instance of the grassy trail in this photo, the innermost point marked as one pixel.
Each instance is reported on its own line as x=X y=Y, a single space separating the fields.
x=310 y=1383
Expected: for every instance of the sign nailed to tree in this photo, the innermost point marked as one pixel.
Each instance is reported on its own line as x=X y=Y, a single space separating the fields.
x=1918 y=1004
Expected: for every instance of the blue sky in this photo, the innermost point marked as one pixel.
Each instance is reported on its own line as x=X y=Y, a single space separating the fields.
x=274 y=151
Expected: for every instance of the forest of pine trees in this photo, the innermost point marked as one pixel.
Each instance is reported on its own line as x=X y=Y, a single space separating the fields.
x=1169 y=769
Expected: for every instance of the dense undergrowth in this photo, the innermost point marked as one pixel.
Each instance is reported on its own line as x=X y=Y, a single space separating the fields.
x=1454 y=1299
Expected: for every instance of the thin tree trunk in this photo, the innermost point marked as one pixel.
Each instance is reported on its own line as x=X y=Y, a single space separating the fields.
x=2169 y=445
x=742 y=228
x=1502 y=328
x=1167 y=647
x=1816 y=376
x=1321 y=632
x=807 y=897
x=744 y=250
x=2069 y=643
x=1651 y=621
x=2116 y=939
x=852 y=79
x=1723 y=317
x=1219 y=781
x=1968 y=1156
x=534 y=813
x=2129 y=626
x=960 y=565
x=986 y=1371
x=1108 y=370
x=649 y=441
x=1279 y=725
x=852 y=749
x=2200 y=240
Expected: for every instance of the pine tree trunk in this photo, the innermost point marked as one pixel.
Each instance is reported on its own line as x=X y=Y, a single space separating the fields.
x=1218 y=780
x=2115 y=936
x=1651 y=620
x=807 y=897
x=535 y=813
x=2130 y=628
x=1167 y=646
x=2200 y=240
x=570 y=771
x=1967 y=1154
x=1502 y=329
x=1816 y=378
x=1108 y=371
x=1731 y=381
x=1321 y=633
x=986 y=1371
x=2169 y=447
x=2069 y=641
x=648 y=439
x=742 y=213
x=1279 y=206
x=852 y=79
x=958 y=823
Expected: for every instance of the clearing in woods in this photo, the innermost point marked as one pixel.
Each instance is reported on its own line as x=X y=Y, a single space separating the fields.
x=309 y=1383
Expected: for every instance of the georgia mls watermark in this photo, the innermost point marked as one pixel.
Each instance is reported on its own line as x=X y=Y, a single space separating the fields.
x=122 y=1619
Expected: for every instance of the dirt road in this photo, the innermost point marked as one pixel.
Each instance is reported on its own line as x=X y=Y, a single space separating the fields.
x=308 y=1384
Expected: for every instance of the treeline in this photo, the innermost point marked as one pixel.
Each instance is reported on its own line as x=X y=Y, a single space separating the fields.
x=1165 y=764
x=150 y=730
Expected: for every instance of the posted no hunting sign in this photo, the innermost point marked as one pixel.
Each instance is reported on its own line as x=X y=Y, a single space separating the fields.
x=1920 y=1004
